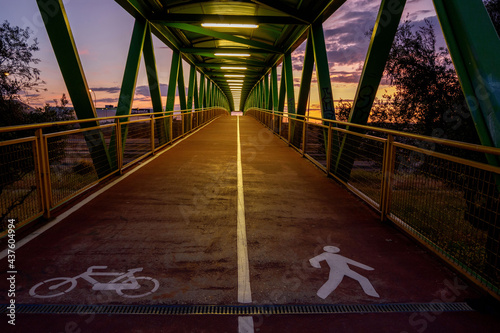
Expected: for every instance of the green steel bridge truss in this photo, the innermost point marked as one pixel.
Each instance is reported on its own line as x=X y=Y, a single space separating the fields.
x=282 y=26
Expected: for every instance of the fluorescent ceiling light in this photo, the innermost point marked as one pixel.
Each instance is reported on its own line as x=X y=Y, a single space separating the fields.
x=243 y=68
x=235 y=81
x=234 y=75
x=229 y=25
x=232 y=54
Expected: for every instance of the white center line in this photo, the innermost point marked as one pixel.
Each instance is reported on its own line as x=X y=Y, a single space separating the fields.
x=244 y=293
x=245 y=324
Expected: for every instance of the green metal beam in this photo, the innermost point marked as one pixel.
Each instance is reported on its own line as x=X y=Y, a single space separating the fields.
x=215 y=18
x=267 y=92
x=474 y=47
x=282 y=94
x=220 y=35
x=129 y=81
x=274 y=88
x=203 y=98
x=279 y=6
x=172 y=83
x=154 y=85
x=192 y=77
x=290 y=93
x=383 y=34
x=207 y=50
x=305 y=82
x=60 y=35
x=381 y=41
x=322 y=72
x=181 y=87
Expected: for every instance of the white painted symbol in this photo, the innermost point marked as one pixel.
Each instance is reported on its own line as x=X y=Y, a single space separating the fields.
x=339 y=269
x=123 y=281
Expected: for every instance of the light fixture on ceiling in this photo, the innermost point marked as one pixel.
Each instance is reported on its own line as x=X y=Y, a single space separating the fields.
x=229 y=25
x=235 y=81
x=234 y=75
x=232 y=54
x=242 y=68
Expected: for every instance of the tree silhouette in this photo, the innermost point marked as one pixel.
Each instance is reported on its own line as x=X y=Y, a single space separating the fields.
x=428 y=93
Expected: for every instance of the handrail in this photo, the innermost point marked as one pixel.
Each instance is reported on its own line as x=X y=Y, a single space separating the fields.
x=447 y=142
x=5 y=129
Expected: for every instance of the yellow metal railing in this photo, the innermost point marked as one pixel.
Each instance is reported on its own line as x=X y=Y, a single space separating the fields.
x=441 y=192
x=50 y=163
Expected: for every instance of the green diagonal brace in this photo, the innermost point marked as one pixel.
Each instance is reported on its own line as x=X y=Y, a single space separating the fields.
x=154 y=86
x=61 y=38
x=191 y=91
x=474 y=47
x=322 y=72
x=172 y=82
x=203 y=101
x=305 y=88
x=181 y=87
x=274 y=87
x=196 y=93
x=130 y=78
x=282 y=94
x=382 y=38
x=290 y=93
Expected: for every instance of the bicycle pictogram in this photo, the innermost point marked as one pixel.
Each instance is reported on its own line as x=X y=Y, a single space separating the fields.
x=125 y=284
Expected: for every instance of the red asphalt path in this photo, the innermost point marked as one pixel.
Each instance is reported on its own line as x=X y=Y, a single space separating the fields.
x=175 y=218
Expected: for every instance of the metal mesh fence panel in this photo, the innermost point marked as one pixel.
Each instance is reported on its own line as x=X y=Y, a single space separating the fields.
x=315 y=143
x=284 y=128
x=138 y=140
x=176 y=127
x=19 y=196
x=456 y=207
x=72 y=166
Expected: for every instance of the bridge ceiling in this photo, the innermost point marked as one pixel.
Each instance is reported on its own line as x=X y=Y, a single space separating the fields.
x=281 y=26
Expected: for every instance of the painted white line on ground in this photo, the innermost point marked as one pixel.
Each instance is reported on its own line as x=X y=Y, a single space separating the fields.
x=245 y=324
x=244 y=293
x=82 y=203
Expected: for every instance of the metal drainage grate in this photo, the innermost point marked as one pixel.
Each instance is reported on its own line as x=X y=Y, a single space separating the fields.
x=237 y=309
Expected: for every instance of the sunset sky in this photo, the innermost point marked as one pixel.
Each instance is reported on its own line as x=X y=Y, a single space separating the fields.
x=102 y=32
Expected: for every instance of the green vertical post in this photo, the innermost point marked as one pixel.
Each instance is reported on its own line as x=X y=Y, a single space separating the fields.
x=381 y=41
x=60 y=35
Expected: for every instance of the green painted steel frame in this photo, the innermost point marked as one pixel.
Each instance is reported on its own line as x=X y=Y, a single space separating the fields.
x=474 y=48
x=386 y=25
x=63 y=44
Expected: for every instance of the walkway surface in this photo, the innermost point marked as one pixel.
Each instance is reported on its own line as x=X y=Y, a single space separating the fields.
x=200 y=241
